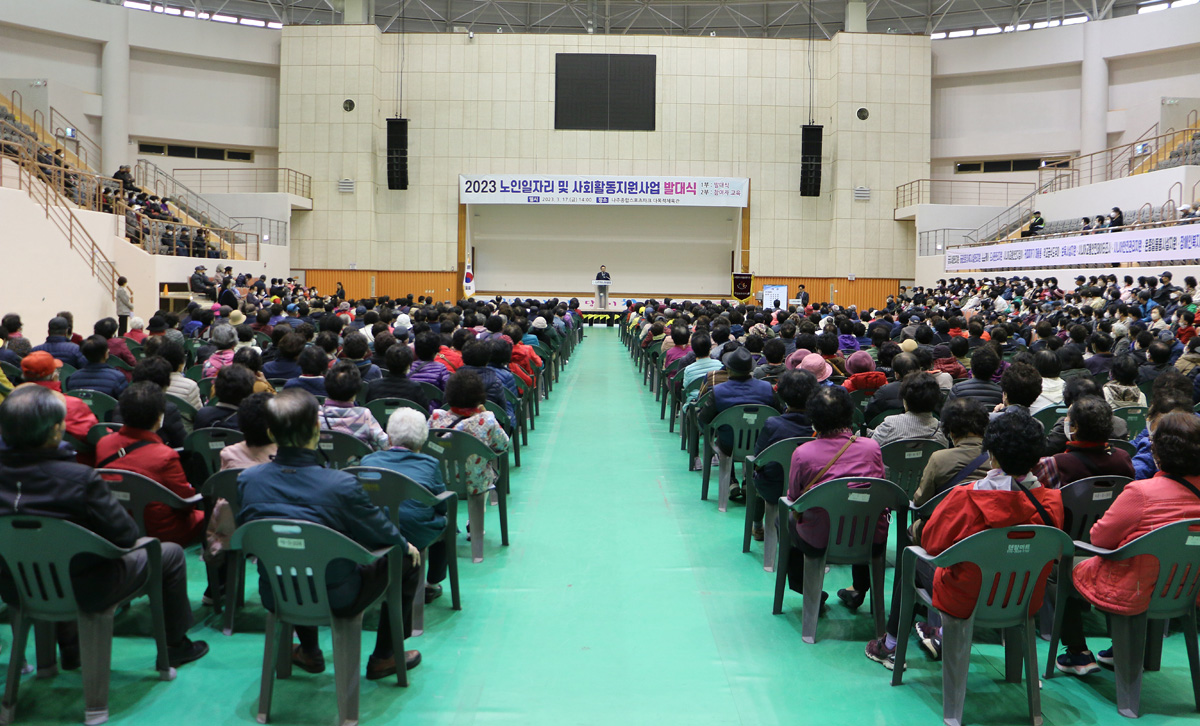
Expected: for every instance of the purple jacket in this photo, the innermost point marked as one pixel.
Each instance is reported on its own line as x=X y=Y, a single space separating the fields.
x=863 y=458
x=429 y=372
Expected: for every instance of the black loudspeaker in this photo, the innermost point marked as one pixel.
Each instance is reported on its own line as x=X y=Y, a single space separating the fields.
x=810 y=161
x=397 y=153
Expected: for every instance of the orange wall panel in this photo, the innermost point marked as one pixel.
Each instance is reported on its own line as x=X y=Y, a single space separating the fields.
x=442 y=285
x=864 y=292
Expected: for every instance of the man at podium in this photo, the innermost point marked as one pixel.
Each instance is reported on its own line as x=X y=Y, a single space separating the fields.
x=601 y=284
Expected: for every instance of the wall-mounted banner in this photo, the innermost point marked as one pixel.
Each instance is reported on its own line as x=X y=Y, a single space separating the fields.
x=1165 y=244
x=743 y=285
x=682 y=191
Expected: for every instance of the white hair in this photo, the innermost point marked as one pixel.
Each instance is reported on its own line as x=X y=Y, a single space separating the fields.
x=408 y=428
x=136 y=323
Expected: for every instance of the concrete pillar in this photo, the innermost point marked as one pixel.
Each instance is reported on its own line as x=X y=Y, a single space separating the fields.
x=1093 y=94
x=114 y=99
x=856 y=16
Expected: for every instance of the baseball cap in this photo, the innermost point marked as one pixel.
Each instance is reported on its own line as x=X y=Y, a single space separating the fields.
x=39 y=365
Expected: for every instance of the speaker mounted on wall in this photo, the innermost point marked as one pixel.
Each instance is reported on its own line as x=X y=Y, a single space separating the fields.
x=397 y=153
x=810 y=160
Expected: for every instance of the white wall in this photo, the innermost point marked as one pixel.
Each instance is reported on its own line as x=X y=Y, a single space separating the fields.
x=1129 y=194
x=559 y=249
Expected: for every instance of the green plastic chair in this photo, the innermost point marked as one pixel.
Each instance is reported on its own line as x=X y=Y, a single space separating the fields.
x=679 y=394
x=514 y=441
x=664 y=387
x=262 y=340
x=277 y=383
x=518 y=403
x=1172 y=596
x=780 y=454
x=101 y=404
x=905 y=461
x=651 y=367
x=38 y=551
x=854 y=506
x=1100 y=378
x=205 y=445
x=196 y=373
x=294 y=556
x=66 y=371
x=135 y=349
x=432 y=392
x=874 y=423
x=206 y=385
x=1135 y=417
x=383 y=408
x=746 y=423
x=99 y=431
x=452 y=449
x=224 y=485
x=388 y=490
x=340 y=450
x=1010 y=561
x=119 y=364
x=135 y=492
x=11 y=372
x=1049 y=415
x=186 y=411
x=1123 y=445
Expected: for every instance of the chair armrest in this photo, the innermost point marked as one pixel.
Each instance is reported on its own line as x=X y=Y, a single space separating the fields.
x=750 y=459
x=381 y=552
x=196 y=498
x=445 y=497
x=1091 y=549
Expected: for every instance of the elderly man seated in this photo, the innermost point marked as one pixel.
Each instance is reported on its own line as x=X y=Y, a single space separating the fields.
x=296 y=486
x=39 y=478
x=97 y=375
x=742 y=388
x=422 y=526
x=58 y=343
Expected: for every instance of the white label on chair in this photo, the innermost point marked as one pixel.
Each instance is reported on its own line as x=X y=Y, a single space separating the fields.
x=327 y=445
x=289 y=543
x=1018 y=549
x=1193 y=540
x=121 y=496
x=214 y=445
x=859 y=497
x=749 y=417
x=913 y=454
x=435 y=447
x=1101 y=496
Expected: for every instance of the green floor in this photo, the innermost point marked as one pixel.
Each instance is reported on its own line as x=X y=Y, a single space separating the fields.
x=624 y=599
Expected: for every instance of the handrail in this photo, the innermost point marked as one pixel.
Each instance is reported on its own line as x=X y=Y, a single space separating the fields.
x=86 y=149
x=1171 y=191
x=154 y=180
x=246 y=181
x=1111 y=163
x=957 y=191
x=935 y=241
x=1080 y=233
x=169 y=237
x=1012 y=218
x=57 y=208
x=269 y=231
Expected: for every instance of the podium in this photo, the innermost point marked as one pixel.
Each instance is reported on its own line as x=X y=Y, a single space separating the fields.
x=601 y=293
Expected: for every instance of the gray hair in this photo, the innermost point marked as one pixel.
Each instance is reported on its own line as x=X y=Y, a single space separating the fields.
x=408 y=428
x=136 y=323
x=223 y=336
x=28 y=415
x=292 y=417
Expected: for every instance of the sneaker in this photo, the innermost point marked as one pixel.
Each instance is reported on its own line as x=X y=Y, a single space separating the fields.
x=1077 y=664
x=931 y=640
x=1105 y=656
x=186 y=652
x=851 y=598
x=878 y=651
x=697 y=463
x=758 y=534
x=308 y=662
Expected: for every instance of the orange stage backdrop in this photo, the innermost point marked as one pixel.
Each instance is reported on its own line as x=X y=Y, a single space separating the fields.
x=863 y=292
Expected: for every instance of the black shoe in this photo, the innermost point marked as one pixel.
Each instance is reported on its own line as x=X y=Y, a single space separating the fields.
x=186 y=652
x=432 y=592
x=69 y=659
x=737 y=494
x=308 y=662
x=852 y=598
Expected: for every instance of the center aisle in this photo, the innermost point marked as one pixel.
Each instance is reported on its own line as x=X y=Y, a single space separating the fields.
x=625 y=599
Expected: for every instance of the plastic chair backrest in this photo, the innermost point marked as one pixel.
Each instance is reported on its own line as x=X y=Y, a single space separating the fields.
x=38 y=552
x=1100 y=378
x=874 y=423
x=341 y=449
x=11 y=372
x=383 y=408
x=295 y=555
x=432 y=392
x=861 y=400
x=780 y=453
x=747 y=422
x=1123 y=445
x=1049 y=415
x=905 y=461
x=693 y=387
x=925 y=511
x=1135 y=417
x=206 y=385
x=185 y=409
x=135 y=491
x=451 y=448
x=500 y=414
x=208 y=443
x=1176 y=546
x=223 y=485
x=854 y=506
x=66 y=371
x=1086 y=500
x=101 y=404
x=389 y=489
x=99 y=431
x=1010 y=562
x=277 y=383
x=196 y=372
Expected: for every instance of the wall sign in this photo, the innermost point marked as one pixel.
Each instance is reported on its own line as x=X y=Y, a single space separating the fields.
x=683 y=191
x=1166 y=244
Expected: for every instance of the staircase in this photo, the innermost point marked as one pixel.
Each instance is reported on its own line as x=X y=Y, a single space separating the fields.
x=196 y=210
x=81 y=153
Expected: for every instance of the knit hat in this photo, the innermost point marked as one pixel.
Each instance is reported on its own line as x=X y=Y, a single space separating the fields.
x=539 y=322
x=739 y=361
x=39 y=365
x=816 y=365
x=942 y=351
x=908 y=346
x=792 y=362
x=860 y=362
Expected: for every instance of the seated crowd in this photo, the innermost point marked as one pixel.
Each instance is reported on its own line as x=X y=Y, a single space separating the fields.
x=213 y=368
x=1030 y=387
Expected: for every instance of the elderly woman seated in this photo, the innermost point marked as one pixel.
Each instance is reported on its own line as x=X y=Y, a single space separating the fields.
x=339 y=413
x=257 y=447
x=224 y=337
x=421 y=525
x=921 y=396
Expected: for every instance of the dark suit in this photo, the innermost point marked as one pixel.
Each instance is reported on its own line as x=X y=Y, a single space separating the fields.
x=603 y=276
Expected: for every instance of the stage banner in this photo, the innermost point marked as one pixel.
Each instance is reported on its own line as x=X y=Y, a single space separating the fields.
x=1164 y=244
x=683 y=191
x=743 y=285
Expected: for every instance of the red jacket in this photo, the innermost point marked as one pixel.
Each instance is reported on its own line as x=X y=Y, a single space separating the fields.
x=80 y=418
x=870 y=381
x=136 y=336
x=450 y=358
x=1124 y=587
x=952 y=366
x=159 y=462
x=965 y=512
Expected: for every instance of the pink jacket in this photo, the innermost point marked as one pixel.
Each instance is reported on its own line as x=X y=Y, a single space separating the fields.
x=1124 y=587
x=863 y=458
x=217 y=361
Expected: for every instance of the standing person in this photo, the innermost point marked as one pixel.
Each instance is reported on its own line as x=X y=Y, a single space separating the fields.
x=603 y=274
x=124 y=304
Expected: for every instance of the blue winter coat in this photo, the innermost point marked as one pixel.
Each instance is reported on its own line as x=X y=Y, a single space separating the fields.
x=419 y=524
